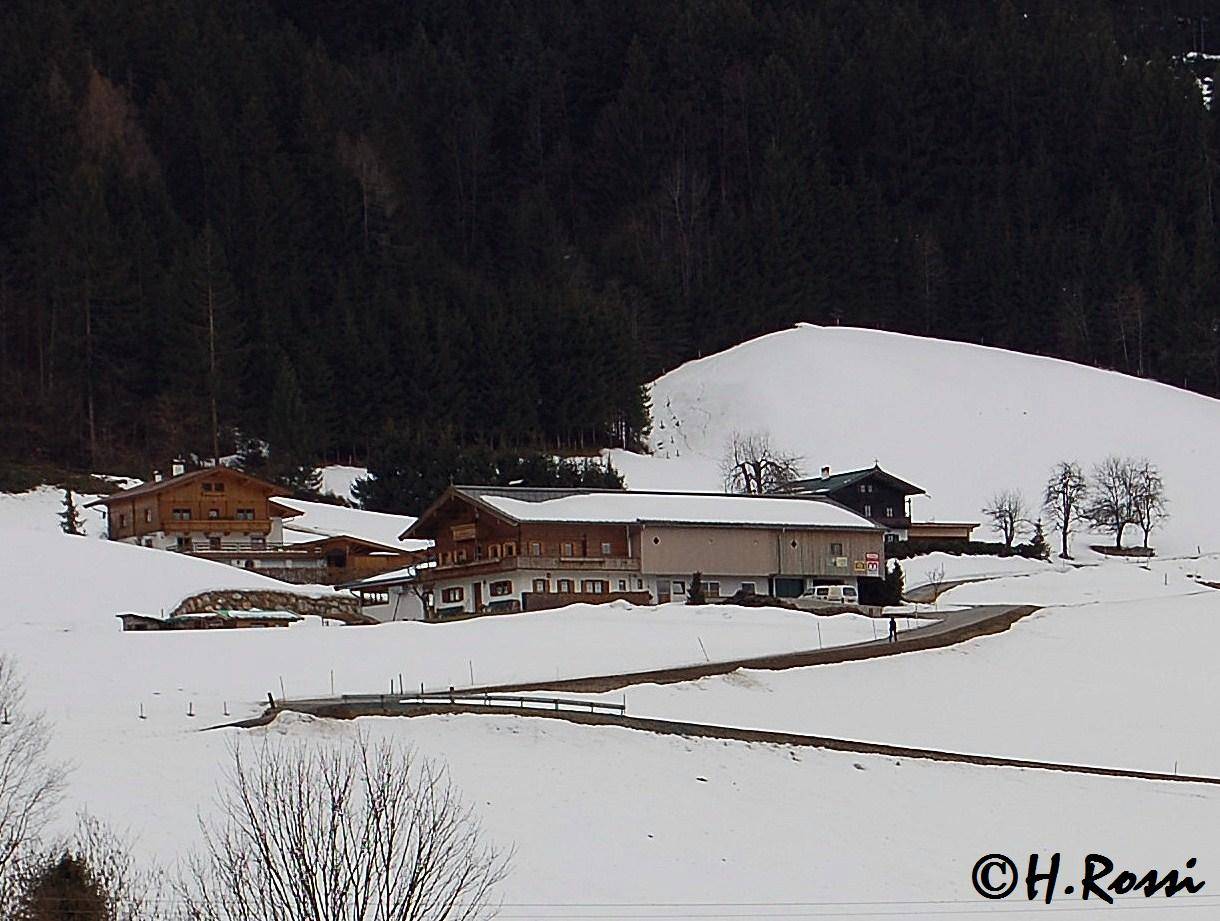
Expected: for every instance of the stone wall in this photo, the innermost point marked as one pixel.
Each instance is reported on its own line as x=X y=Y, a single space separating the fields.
x=337 y=607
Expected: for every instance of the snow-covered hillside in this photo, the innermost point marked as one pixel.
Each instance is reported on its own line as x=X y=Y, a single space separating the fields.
x=962 y=421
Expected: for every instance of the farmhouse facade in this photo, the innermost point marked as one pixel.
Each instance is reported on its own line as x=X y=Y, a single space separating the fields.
x=519 y=548
x=225 y=515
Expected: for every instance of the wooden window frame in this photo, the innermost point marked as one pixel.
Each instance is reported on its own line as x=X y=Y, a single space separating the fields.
x=453 y=595
x=500 y=588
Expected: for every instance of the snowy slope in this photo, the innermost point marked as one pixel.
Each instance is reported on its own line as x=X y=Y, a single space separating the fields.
x=337 y=480
x=38 y=510
x=962 y=421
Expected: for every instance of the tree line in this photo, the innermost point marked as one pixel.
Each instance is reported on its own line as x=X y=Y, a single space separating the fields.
x=316 y=227
x=1119 y=493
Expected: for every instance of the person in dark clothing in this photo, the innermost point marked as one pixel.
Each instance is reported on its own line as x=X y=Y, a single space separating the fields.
x=893 y=630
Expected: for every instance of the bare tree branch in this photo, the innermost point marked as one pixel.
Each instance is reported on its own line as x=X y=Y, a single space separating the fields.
x=1008 y=514
x=753 y=466
x=1063 y=500
x=30 y=783
x=368 y=832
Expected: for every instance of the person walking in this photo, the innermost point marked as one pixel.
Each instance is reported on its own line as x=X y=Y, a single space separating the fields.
x=893 y=630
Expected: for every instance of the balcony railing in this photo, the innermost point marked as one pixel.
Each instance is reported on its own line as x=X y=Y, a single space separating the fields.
x=549 y=563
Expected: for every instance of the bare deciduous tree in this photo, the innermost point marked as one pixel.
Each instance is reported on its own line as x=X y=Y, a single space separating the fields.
x=364 y=832
x=936 y=581
x=1063 y=501
x=1149 y=507
x=30 y=782
x=1110 y=500
x=1007 y=512
x=752 y=465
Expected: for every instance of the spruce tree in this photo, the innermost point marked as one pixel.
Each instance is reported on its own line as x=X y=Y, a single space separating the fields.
x=895 y=584
x=69 y=517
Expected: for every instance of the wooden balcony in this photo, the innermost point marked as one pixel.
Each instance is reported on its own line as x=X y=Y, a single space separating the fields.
x=544 y=563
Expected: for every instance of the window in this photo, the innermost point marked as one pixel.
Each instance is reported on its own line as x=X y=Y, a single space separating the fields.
x=889 y=511
x=147 y=515
x=122 y=521
x=535 y=548
x=606 y=550
x=213 y=514
x=220 y=487
x=207 y=487
x=182 y=514
x=836 y=549
x=563 y=586
x=541 y=585
x=148 y=542
x=595 y=586
x=460 y=556
x=679 y=587
x=245 y=514
x=566 y=550
x=868 y=511
x=500 y=589
x=510 y=548
x=452 y=595
x=622 y=585
x=748 y=588
x=639 y=583
x=213 y=543
x=494 y=551
x=258 y=542
x=446 y=558
x=184 y=543
x=711 y=589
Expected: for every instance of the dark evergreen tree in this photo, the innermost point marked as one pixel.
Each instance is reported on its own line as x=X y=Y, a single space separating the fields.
x=69 y=517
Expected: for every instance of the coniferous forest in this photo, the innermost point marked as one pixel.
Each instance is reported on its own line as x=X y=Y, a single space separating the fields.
x=488 y=223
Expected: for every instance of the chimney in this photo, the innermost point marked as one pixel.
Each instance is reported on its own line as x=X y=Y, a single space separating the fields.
x=156 y=476
x=825 y=473
x=179 y=468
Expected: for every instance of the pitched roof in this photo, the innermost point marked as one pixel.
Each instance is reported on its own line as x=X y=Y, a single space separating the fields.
x=588 y=506
x=822 y=486
x=321 y=519
x=154 y=486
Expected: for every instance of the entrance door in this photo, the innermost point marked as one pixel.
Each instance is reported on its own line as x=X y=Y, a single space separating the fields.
x=478 y=596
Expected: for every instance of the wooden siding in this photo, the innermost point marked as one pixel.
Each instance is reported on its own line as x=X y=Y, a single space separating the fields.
x=747 y=552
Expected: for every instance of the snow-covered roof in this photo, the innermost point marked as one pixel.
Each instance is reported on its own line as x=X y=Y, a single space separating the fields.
x=616 y=507
x=318 y=519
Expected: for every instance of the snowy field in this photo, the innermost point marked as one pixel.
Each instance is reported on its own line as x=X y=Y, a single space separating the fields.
x=610 y=823
x=1099 y=680
x=962 y=421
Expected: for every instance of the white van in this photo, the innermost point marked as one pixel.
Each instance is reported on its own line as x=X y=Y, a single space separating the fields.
x=829 y=594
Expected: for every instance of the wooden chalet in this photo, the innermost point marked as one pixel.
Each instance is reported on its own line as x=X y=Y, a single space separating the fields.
x=509 y=549
x=225 y=515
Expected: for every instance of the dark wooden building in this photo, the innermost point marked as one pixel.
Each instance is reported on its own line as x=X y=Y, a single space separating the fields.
x=872 y=492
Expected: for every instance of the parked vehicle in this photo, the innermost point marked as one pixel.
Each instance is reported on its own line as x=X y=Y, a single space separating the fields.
x=821 y=596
